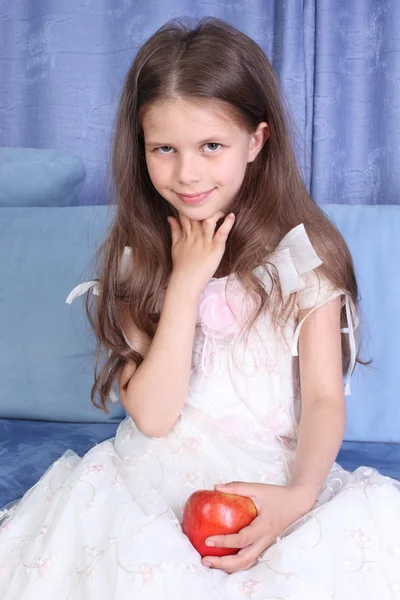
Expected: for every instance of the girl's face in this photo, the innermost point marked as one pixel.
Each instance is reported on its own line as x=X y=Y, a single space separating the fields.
x=192 y=148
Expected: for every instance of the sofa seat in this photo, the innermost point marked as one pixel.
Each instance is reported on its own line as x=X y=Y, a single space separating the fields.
x=28 y=448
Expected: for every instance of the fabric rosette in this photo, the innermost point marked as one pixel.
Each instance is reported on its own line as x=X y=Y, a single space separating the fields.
x=224 y=308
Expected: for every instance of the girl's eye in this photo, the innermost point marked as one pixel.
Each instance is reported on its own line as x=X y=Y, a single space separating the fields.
x=158 y=150
x=161 y=148
x=212 y=144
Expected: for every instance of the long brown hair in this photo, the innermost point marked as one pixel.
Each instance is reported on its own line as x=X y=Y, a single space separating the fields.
x=209 y=59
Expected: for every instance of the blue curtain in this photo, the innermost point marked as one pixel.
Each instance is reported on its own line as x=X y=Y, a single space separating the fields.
x=62 y=65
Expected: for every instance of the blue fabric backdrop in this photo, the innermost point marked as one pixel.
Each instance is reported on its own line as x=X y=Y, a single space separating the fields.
x=62 y=65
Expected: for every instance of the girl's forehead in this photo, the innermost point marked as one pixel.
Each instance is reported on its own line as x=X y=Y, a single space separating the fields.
x=176 y=116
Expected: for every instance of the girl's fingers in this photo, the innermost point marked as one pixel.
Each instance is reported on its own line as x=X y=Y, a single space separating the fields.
x=185 y=224
x=196 y=229
x=210 y=223
x=207 y=227
x=175 y=229
x=246 y=536
x=223 y=232
x=243 y=560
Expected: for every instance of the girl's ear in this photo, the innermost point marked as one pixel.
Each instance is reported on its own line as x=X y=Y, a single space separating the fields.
x=257 y=140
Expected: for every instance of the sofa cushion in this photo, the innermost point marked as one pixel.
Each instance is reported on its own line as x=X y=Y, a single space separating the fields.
x=39 y=177
x=47 y=348
x=28 y=448
x=373 y=236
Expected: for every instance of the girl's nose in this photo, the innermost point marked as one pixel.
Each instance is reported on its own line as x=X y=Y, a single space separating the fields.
x=188 y=170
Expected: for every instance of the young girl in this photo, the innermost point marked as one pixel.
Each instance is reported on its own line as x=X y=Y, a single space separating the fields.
x=227 y=304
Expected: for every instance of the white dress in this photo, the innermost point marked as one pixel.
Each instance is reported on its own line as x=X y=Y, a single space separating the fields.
x=107 y=526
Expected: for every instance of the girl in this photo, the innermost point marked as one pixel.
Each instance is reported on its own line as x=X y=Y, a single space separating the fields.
x=227 y=303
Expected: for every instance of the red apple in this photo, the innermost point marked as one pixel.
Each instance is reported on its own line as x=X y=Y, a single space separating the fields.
x=210 y=512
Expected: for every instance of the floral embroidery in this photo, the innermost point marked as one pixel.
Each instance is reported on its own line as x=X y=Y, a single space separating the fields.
x=193 y=568
x=193 y=444
x=93 y=468
x=188 y=477
x=148 y=572
x=358 y=536
x=271 y=365
x=93 y=551
x=43 y=564
x=49 y=497
x=89 y=506
x=273 y=424
x=87 y=572
x=64 y=462
x=42 y=532
x=249 y=587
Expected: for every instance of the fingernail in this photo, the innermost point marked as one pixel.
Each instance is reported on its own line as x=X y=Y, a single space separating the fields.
x=207 y=564
x=210 y=543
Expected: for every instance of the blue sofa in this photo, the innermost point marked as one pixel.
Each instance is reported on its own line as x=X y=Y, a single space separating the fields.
x=47 y=348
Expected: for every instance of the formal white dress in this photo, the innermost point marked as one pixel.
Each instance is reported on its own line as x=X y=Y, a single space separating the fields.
x=108 y=525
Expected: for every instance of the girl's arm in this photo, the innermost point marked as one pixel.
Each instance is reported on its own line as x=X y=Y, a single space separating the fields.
x=320 y=435
x=156 y=393
x=323 y=418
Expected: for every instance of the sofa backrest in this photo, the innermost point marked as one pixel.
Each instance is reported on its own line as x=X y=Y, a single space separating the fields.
x=372 y=233
x=47 y=348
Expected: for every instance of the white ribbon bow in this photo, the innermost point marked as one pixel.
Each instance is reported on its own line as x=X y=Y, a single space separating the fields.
x=293 y=256
x=82 y=288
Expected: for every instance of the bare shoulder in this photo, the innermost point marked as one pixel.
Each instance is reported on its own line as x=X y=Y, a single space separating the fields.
x=320 y=353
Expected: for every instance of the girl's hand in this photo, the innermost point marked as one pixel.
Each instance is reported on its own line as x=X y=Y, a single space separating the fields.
x=197 y=249
x=277 y=506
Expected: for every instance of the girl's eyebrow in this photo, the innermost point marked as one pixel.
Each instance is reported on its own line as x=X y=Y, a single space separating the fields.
x=214 y=138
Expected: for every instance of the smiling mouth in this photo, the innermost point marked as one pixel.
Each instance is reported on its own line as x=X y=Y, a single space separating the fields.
x=195 y=198
x=195 y=195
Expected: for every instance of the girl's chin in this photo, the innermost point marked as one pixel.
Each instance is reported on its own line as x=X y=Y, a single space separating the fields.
x=198 y=212
x=201 y=213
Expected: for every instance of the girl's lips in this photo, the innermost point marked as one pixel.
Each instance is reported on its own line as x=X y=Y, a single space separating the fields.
x=195 y=199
